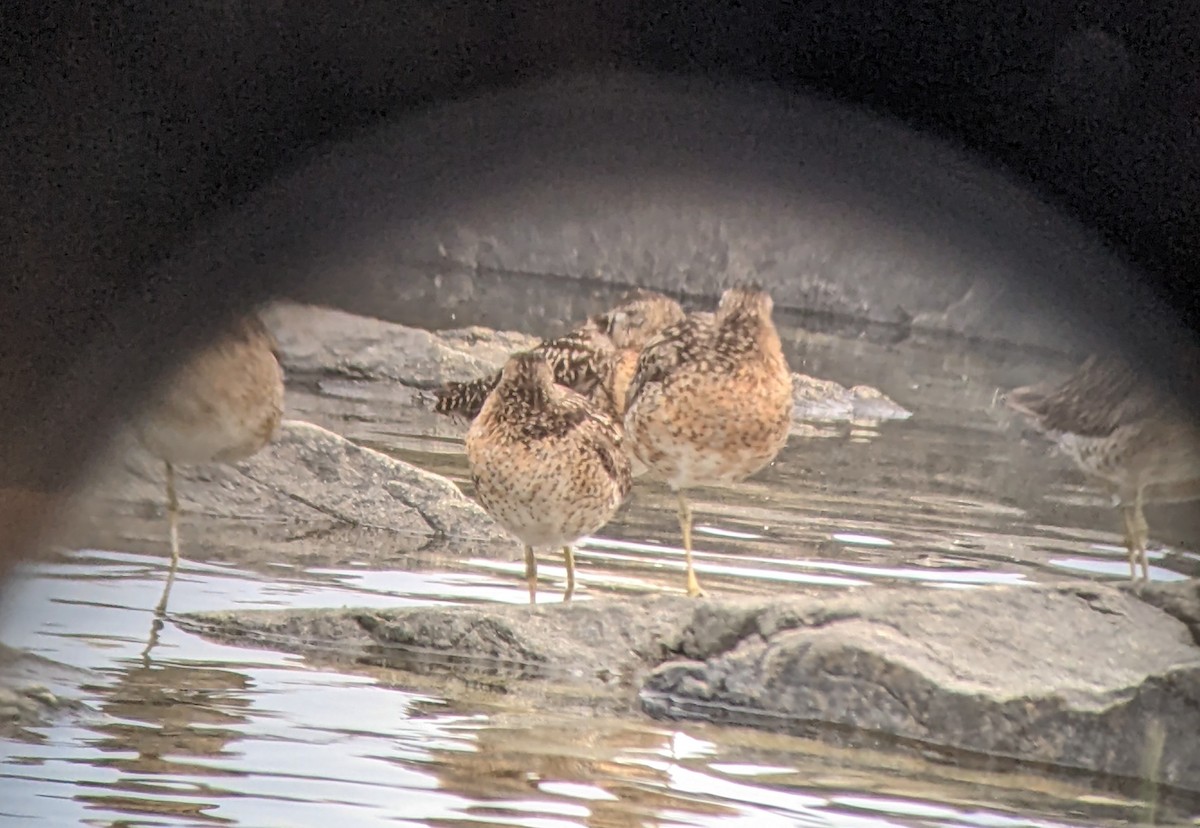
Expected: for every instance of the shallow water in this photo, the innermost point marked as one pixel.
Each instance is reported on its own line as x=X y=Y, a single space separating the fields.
x=184 y=731
x=960 y=493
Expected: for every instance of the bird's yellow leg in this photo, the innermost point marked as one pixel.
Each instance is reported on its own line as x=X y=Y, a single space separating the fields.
x=161 y=609
x=172 y=516
x=569 y=554
x=531 y=573
x=685 y=528
x=1136 y=532
x=1142 y=530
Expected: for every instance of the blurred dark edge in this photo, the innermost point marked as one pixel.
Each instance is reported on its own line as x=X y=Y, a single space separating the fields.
x=127 y=124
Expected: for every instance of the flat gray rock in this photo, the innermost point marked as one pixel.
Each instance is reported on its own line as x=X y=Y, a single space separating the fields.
x=590 y=655
x=1080 y=677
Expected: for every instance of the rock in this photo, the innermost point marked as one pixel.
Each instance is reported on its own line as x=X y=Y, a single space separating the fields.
x=594 y=651
x=358 y=486
x=872 y=404
x=818 y=399
x=303 y=630
x=316 y=340
x=489 y=347
x=1180 y=599
x=310 y=496
x=371 y=380
x=1080 y=677
x=589 y=640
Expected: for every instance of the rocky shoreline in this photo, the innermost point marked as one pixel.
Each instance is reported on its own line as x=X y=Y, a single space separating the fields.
x=1078 y=676
x=1075 y=675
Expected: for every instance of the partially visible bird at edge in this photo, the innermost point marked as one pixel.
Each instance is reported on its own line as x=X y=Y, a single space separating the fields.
x=1124 y=431
x=221 y=406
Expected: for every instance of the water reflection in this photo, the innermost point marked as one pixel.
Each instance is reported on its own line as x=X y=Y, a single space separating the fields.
x=593 y=770
x=168 y=722
x=192 y=732
x=180 y=711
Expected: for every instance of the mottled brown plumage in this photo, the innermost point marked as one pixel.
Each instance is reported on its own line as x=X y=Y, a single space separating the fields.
x=616 y=374
x=223 y=405
x=711 y=401
x=1122 y=430
x=638 y=318
x=574 y=360
x=546 y=463
x=579 y=359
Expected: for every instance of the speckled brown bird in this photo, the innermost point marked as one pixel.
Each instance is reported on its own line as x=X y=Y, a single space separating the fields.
x=1122 y=430
x=580 y=359
x=546 y=463
x=711 y=402
x=222 y=406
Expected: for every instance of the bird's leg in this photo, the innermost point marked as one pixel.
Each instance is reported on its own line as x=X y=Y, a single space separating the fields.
x=1142 y=531
x=173 y=521
x=152 y=641
x=685 y=528
x=569 y=554
x=161 y=609
x=172 y=516
x=1130 y=547
x=1136 y=532
x=531 y=573
x=160 y=613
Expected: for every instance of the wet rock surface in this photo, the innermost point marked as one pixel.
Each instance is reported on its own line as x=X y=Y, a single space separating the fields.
x=1085 y=677
x=1079 y=676
x=592 y=651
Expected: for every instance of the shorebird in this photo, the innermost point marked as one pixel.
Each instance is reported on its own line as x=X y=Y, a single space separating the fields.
x=1121 y=429
x=223 y=405
x=584 y=359
x=711 y=402
x=546 y=463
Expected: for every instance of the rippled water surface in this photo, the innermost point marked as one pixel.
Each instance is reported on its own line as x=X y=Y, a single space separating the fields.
x=178 y=730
